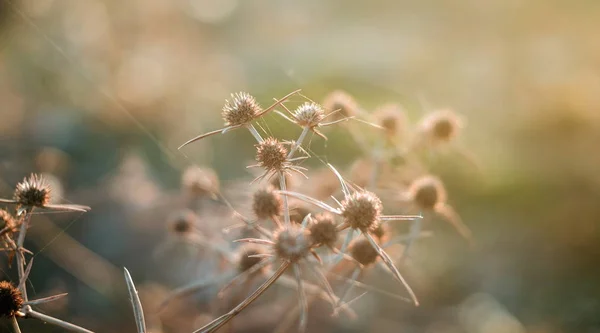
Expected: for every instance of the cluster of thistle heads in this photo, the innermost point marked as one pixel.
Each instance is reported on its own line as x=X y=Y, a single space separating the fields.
x=303 y=227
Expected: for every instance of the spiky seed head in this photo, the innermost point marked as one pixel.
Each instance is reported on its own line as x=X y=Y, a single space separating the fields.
x=323 y=230
x=266 y=203
x=182 y=222
x=292 y=243
x=33 y=191
x=298 y=211
x=6 y=219
x=427 y=192
x=271 y=154
x=342 y=101
x=11 y=299
x=245 y=262
x=363 y=252
x=200 y=181
x=361 y=210
x=441 y=126
x=391 y=118
x=242 y=109
x=309 y=114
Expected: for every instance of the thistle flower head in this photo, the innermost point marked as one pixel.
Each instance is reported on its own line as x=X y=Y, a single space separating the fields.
x=6 y=219
x=200 y=181
x=33 y=191
x=183 y=222
x=309 y=114
x=363 y=252
x=11 y=299
x=323 y=230
x=267 y=203
x=242 y=109
x=441 y=125
x=245 y=262
x=271 y=154
x=292 y=243
x=391 y=118
x=427 y=192
x=361 y=210
x=342 y=101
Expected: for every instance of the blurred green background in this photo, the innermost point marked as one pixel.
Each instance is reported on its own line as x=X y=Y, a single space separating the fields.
x=101 y=94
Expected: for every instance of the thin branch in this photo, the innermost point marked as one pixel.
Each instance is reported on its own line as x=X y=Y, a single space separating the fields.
x=136 y=304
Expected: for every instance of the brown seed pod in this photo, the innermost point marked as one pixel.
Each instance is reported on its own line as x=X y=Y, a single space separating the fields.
x=441 y=126
x=323 y=230
x=342 y=101
x=245 y=262
x=363 y=252
x=266 y=203
x=33 y=192
x=361 y=210
x=183 y=222
x=309 y=114
x=271 y=155
x=11 y=299
x=242 y=109
x=427 y=191
x=200 y=181
x=292 y=243
x=392 y=118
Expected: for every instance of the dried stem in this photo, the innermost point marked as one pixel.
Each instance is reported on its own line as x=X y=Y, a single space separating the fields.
x=54 y=321
x=136 y=304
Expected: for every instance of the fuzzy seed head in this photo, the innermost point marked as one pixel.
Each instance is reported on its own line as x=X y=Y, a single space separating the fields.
x=267 y=203
x=361 y=210
x=11 y=299
x=392 y=119
x=342 y=101
x=363 y=252
x=427 y=192
x=242 y=109
x=441 y=125
x=309 y=114
x=200 y=182
x=183 y=222
x=271 y=154
x=6 y=220
x=33 y=191
x=292 y=243
x=245 y=262
x=323 y=230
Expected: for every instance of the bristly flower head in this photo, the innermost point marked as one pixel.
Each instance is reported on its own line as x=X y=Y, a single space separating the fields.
x=363 y=252
x=323 y=230
x=245 y=261
x=242 y=109
x=292 y=243
x=271 y=155
x=362 y=210
x=441 y=126
x=342 y=103
x=267 y=204
x=309 y=114
x=200 y=182
x=32 y=192
x=11 y=299
x=427 y=191
x=183 y=222
x=392 y=119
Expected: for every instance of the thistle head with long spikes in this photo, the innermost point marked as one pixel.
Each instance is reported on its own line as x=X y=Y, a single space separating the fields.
x=271 y=155
x=323 y=230
x=242 y=109
x=11 y=299
x=292 y=243
x=33 y=191
x=361 y=210
x=309 y=114
x=266 y=203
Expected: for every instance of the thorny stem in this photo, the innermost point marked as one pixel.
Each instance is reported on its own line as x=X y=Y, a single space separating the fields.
x=56 y=322
x=20 y=254
x=286 y=207
x=298 y=142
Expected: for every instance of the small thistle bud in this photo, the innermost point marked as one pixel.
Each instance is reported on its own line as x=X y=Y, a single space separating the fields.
x=323 y=230
x=245 y=262
x=361 y=210
x=342 y=101
x=200 y=181
x=267 y=203
x=309 y=114
x=6 y=220
x=441 y=126
x=183 y=222
x=392 y=119
x=271 y=154
x=292 y=243
x=33 y=192
x=427 y=192
x=363 y=252
x=242 y=109
x=11 y=299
